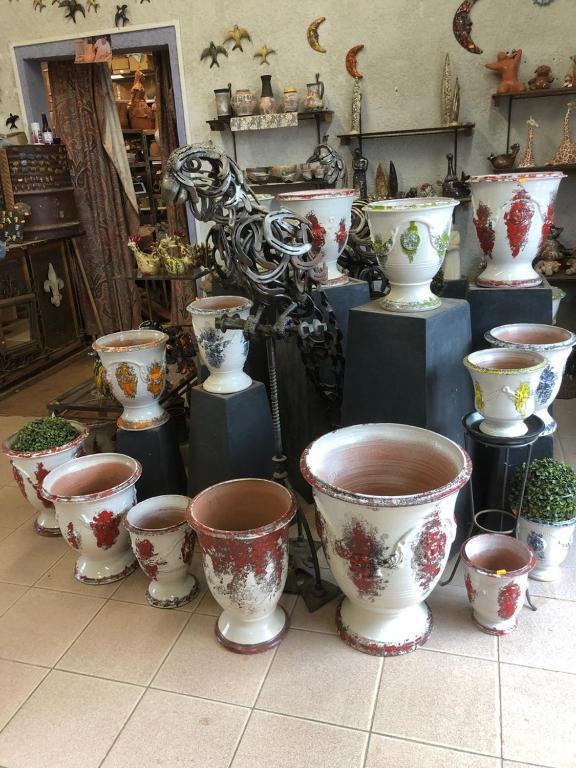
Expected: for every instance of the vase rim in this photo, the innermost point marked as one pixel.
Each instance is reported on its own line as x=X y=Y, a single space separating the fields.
x=315 y=194
x=105 y=458
x=538 y=365
x=109 y=343
x=173 y=500
x=517 y=177
x=411 y=204
x=503 y=541
x=82 y=435
x=206 y=306
x=408 y=500
x=568 y=341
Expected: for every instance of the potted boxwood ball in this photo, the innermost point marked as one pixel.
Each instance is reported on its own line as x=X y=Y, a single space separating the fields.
x=548 y=515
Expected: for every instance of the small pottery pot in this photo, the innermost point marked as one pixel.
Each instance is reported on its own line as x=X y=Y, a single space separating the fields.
x=135 y=363
x=92 y=495
x=385 y=496
x=222 y=98
x=496 y=578
x=554 y=344
x=163 y=543
x=223 y=352
x=267 y=101
x=329 y=212
x=410 y=237
x=549 y=542
x=242 y=528
x=505 y=384
x=31 y=467
x=243 y=102
x=314 y=99
x=291 y=99
x=513 y=213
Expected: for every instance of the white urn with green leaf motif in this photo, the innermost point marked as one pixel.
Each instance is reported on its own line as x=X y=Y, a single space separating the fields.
x=410 y=237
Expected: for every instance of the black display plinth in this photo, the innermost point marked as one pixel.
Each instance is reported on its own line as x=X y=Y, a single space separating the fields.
x=158 y=452
x=230 y=437
x=343 y=298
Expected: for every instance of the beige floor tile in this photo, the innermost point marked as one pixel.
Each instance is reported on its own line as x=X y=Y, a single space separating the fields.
x=565 y=587
x=133 y=590
x=538 y=716
x=385 y=752
x=199 y=666
x=125 y=642
x=18 y=682
x=70 y=721
x=442 y=699
x=42 y=624
x=317 y=676
x=322 y=620
x=276 y=741
x=454 y=630
x=16 y=510
x=60 y=577
x=514 y=764
x=209 y=607
x=5 y=532
x=26 y=556
x=9 y=593
x=167 y=729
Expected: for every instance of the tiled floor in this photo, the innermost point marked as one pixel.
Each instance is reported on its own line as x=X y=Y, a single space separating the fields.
x=92 y=676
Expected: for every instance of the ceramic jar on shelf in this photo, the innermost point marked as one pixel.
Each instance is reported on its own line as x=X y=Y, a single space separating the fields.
x=291 y=99
x=513 y=213
x=550 y=543
x=411 y=236
x=222 y=99
x=242 y=529
x=135 y=363
x=31 y=467
x=92 y=495
x=314 y=99
x=385 y=496
x=267 y=102
x=243 y=102
x=554 y=344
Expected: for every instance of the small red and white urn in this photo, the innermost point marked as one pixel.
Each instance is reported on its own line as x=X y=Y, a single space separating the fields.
x=31 y=467
x=163 y=543
x=92 y=495
x=242 y=529
x=385 y=496
x=496 y=578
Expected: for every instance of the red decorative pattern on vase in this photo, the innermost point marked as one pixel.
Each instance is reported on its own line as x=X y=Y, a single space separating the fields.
x=484 y=229
x=547 y=224
x=518 y=219
x=19 y=477
x=188 y=547
x=145 y=552
x=341 y=234
x=106 y=527
x=40 y=473
x=365 y=555
x=317 y=231
x=508 y=598
x=72 y=537
x=472 y=593
x=428 y=551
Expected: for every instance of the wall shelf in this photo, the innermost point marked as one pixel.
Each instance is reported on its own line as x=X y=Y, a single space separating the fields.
x=545 y=92
x=563 y=168
x=222 y=123
x=465 y=129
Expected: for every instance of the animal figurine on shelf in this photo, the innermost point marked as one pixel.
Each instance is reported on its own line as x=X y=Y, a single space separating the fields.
x=566 y=152
x=542 y=80
x=506 y=160
x=570 y=77
x=527 y=160
x=547 y=268
x=507 y=65
x=553 y=249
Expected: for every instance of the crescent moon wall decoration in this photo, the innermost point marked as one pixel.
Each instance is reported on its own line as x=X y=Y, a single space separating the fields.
x=313 y=35
x=352 y=63
x=462 y=26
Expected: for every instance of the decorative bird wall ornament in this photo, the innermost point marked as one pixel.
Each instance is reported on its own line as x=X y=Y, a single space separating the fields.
x=121 y=16
x=313 y=35
x=11 y=121
x=263 y=53
x=237 y=34
x=38 y=5
x=72 y=8
x=212 y=52
x=92 y=5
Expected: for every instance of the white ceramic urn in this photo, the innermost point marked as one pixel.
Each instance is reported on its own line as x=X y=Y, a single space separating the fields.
x=554 y=344
x=135 y=363
x=505 y=384
x=411 y=236
x=385 y=496
x=224 y=353
x=549 y=542
x=513 y=214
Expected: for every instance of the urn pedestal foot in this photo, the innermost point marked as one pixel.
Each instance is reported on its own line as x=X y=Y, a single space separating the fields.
x=550 y=573
x=255 y=636
x=90 y=571
x=46 y=524
x=227 y=382
x=172 y=594
x=550 y=425
x=500 y=629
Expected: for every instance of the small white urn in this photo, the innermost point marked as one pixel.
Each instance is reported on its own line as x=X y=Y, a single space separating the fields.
x=505 y=384
x=549 y=542
x=410 y=237
x=554 y=344
x=163 y=543
x=224 y=353
x=135 y=363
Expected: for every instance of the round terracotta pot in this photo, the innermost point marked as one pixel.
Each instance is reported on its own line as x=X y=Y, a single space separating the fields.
x=505 y=384
x=242 y=528
x=496 y=578
x=163 y=543
x=385 y=496
x=92 y=495
x=550 y=543
x=135 y=363
x=223 y=352
x=554 y=344
x=31 y=467
x=513 y=213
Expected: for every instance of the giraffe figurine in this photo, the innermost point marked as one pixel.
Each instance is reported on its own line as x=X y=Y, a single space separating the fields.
x=527 y=160
x=566 y=152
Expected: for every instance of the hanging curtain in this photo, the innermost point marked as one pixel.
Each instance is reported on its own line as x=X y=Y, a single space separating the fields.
x=88 y=125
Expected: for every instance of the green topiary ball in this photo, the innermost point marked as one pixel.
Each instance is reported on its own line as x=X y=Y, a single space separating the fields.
x=42 y=434
x=550 y=495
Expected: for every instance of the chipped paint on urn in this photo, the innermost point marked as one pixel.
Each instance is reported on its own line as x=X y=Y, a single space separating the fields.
x=385 y=497
x=91 y=496
x=550 y=543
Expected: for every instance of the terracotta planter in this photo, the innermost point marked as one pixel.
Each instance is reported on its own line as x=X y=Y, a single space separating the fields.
x=135 y=363
x=92 y=495
x=242 y=528
x=329 y=212
x=496 y=577
x=163 y=543
x=513 y=213
x=505 y=384
x=385 y=496
x=223 y=352
x=30 y=469
x=550 y=543
x=554 y=344
x=411 y=237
